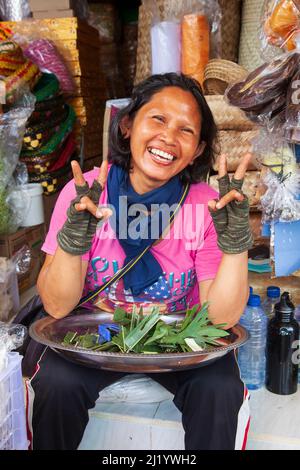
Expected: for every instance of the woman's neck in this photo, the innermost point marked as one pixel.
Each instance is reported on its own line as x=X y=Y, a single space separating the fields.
x=141 y=184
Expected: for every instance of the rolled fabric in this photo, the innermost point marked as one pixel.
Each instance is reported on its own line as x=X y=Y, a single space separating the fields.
x=166 y=47
x=44 y=53
x=195 y=45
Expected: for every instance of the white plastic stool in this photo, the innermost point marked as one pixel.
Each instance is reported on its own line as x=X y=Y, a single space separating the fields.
x=134 y=413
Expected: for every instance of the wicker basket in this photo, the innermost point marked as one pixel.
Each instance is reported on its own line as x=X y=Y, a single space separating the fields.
x=235 y=145
x=143 y=55
x=228 y=117
x=230 y=28
x=250 y=45
x=250 y=186
x=220 y=73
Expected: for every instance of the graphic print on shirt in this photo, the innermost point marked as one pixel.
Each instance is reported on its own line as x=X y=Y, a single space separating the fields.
x=168 y=288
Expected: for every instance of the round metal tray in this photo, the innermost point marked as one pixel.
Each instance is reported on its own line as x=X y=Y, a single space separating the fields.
x=51 y=332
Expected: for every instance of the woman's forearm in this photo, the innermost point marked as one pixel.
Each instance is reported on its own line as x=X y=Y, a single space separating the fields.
x=228 y=293
x=60 y=283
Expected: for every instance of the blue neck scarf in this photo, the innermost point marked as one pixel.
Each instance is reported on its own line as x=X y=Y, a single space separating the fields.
x=134 y=231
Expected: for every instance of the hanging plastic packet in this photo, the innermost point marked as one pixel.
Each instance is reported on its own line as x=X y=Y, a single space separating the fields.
x=280 y=178
x=184 y=35
x=14 y=10
x=165 y=40
x=280 y=27
x=262 y=95
x=195 y=45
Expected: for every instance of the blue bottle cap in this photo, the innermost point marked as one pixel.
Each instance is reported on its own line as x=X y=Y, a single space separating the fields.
x=273 y=292
x=250 y=290
x=254 y=300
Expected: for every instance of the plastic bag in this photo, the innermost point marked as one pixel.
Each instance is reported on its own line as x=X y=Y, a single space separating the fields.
x=11 y=337
x=13 y=201
x=14 y=10
x=280 y=177
x=135 y=388
x=263 y=93
x=103 y=17
x=9 y=292
x=184 y=35
x=280 y=27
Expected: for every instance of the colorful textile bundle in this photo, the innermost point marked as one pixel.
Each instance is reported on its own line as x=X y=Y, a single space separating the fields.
x=50 y=176
x=44 y=53
x=48 y=142
x=46 y=88
x=50 y=151
x=40 y=133
x=16 y=71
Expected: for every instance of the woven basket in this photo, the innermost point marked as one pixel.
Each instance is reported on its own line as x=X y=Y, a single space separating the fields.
x=250 y=44
x=250 y=186
x=143 y=55
x=235 y=145
x=220 y=73
x=230 y=28
x=228 y=117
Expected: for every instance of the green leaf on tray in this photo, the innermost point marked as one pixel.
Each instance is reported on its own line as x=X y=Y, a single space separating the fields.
x=150 y=335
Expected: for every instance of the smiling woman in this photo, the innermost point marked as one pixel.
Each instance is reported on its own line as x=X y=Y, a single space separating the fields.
x=162 y=146
x=167 y=113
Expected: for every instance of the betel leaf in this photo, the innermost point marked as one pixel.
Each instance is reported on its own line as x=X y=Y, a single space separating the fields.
x=141 y=329
x=149 y=334
x=161 y=330
x=121 y=316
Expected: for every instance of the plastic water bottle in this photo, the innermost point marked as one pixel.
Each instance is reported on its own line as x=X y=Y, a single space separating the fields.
x=252 y=355
x=273 y=297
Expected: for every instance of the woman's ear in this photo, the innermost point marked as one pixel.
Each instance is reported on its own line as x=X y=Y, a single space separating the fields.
x=199 y=151
x=125 y=126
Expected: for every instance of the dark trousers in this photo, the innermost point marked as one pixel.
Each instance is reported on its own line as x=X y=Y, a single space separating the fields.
x=61 y=393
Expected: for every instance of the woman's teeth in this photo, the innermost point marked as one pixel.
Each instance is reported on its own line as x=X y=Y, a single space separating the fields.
x=161 y=155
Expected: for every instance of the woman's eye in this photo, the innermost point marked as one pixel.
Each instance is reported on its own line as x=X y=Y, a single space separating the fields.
x=159 y=118
x=188 y=130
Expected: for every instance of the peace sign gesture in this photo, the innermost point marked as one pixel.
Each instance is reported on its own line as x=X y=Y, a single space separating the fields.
x=230 y=213
x=83 y=214
x=89 y=197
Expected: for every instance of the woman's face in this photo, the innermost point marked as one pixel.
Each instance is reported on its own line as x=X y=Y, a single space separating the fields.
x=164 y=137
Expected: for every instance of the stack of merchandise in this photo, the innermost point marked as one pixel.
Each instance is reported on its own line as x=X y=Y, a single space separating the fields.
x=128 y=55
x=78 y=44
x=49 y=142
x=55 y=9
x=275 y=109
x=235 y=137
x=103 y=16
x=18 y=76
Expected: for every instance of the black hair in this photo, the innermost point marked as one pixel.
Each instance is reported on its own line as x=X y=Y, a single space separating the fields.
x=142 y=93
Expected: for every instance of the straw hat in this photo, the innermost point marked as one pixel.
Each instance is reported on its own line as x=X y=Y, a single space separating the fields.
x=219 y=73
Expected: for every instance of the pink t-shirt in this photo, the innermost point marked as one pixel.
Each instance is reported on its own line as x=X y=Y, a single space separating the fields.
x=188 y=253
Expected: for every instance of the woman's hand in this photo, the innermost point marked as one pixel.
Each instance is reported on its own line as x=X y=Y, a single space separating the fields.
x=230 y=213
x=83 y=215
